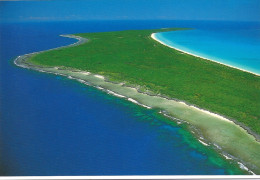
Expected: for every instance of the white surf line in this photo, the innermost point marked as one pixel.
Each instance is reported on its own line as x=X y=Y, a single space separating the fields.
x=242 y=166
x=211 y=113
x=217 y=146
x=228 y=158
x=98 y=87
x=154 y=37
x=194 y=107
x=109 y=91
x=80 y=80
x=136 y=102
x=115 y=94
x=207 y=112
x=178 y=121
x=205 y=144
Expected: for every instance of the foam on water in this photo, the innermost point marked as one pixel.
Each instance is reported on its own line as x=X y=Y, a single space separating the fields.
x=202 y=142
x=115 y=94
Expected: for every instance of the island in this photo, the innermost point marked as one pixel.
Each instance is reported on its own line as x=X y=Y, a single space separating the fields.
x=219 y=103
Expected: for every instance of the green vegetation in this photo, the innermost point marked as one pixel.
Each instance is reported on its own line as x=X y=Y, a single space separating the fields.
x=133 y=56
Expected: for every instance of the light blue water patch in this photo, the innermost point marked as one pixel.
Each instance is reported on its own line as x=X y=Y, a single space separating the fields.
x=235 y=47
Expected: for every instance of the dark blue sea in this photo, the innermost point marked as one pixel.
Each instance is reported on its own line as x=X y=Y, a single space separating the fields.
x=51 y=125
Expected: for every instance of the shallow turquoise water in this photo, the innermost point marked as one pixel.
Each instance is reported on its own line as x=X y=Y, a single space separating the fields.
x=238 y=47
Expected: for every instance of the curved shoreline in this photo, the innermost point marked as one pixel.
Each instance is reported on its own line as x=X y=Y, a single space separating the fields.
x=77 y=74
x=257 y=136
x=153 y=36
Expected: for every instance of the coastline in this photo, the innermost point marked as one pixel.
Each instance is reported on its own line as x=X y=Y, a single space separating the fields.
x=153 y=36
x=101 y=82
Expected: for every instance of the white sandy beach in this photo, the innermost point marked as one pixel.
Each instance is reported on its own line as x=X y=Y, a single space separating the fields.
x=153 y=35
x=99 y=76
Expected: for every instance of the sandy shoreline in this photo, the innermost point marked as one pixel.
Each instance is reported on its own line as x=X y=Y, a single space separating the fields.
x=153 y=36
x=102 y=84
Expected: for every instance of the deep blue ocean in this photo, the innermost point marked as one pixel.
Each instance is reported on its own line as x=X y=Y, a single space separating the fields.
x=238 y=47
x=51 y=125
